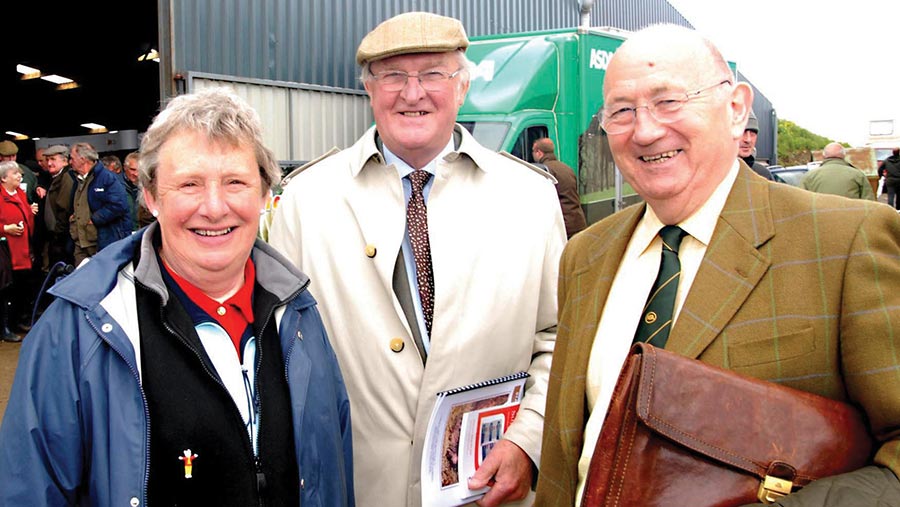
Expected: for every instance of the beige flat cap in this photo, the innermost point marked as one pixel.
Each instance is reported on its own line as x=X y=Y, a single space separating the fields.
x=412 y=32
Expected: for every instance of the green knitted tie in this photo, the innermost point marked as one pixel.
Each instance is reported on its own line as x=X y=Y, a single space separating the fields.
x=656 y=319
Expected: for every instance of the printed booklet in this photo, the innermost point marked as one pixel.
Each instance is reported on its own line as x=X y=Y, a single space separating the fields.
x=465 y=424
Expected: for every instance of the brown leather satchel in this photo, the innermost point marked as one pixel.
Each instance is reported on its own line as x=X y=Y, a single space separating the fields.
x=681 y=432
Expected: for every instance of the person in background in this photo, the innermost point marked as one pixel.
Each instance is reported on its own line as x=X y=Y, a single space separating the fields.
x=39 y=242
x=112 y=163
x=189 y=338
x=10 y=152
x=835 y=176
x=566 y=185
x=17 y=221
x=59 y=205
x=775 y=282
x=747 y=148
x=891 y=172
x=100 y=210
x=130 y=181
x=434 y=281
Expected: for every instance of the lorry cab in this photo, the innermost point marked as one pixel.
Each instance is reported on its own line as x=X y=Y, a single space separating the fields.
x=546 y=84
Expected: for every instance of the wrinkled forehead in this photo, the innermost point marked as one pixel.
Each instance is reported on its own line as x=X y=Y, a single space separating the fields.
x=652 y=65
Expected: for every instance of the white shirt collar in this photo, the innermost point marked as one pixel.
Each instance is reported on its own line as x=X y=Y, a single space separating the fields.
x=405 y=169
x=700 y=225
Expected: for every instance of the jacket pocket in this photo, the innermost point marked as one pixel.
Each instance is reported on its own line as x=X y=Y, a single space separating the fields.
x=772 y=349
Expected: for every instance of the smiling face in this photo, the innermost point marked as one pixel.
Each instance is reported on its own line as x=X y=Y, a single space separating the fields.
x=413 y=123
x=11 y=179
x=675 y=166
x=208 y=197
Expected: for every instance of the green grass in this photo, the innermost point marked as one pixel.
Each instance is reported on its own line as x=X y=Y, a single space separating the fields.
x=609 y=193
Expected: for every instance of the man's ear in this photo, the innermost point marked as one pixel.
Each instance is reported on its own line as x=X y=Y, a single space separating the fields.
x=741 y=104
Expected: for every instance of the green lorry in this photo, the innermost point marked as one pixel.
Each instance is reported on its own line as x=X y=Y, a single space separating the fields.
x=548 y=84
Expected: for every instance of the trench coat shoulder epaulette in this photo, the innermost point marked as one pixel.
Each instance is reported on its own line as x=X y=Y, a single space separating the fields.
x=534 y=168
x=295 y=172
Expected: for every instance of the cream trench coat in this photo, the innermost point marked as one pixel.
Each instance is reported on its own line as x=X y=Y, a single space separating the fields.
x=496 y=235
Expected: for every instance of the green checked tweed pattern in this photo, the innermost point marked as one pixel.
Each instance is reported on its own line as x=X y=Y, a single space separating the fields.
x=796 y=288
x=656 y=319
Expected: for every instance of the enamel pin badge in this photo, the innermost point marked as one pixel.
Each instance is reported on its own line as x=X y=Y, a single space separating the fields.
x=188 y=459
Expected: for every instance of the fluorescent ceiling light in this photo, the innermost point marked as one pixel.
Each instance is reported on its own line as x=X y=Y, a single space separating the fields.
x=93 y=126
x=53 y=78
x=150 y=55
x=27 y=72
x=67 y=86
x=17 y=136
x=24 y=69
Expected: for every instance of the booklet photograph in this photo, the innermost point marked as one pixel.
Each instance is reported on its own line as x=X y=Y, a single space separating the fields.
x=486 y=409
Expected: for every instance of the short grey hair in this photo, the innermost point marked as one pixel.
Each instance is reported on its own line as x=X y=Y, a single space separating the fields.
x=220 y=115
x=7 y=167
x=85 y=150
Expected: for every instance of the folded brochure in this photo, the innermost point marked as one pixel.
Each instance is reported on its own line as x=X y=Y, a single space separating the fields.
x=465 y=424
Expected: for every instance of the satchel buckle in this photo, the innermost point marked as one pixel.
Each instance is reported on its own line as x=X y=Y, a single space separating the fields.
x=772 y=488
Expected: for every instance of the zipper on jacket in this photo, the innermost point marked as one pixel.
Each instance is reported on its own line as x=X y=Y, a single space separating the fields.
x=213 y=376
x=137 y=377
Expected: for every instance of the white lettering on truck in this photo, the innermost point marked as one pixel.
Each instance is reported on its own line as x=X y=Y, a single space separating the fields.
x=484 y=70
x=600 y=59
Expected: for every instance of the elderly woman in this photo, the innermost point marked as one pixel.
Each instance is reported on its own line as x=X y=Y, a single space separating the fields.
x=17 y=219
x=188 y=363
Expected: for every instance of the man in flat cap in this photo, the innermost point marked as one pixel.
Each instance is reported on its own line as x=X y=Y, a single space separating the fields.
x=747 y=148
x=59 y=204
x=428 y=278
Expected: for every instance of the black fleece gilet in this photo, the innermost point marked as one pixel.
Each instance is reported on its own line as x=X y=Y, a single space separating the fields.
x=191 y=409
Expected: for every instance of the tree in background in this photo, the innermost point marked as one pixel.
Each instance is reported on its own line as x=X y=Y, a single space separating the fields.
x=796 y=144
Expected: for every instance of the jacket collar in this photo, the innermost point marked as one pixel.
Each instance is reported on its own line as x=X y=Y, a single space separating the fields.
x=93 y=280
x=367 y=149
x=734 y=263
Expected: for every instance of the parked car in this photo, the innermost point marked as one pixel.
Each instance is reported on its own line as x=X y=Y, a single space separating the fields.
x=790 y=175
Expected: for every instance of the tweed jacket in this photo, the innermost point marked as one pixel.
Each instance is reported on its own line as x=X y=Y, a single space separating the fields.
x=495 y=260
x=797 y=288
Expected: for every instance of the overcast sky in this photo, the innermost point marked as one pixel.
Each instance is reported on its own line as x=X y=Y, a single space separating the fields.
x=829 y=66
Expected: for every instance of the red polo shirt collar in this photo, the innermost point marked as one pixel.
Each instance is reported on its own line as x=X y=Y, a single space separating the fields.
x=235 y=313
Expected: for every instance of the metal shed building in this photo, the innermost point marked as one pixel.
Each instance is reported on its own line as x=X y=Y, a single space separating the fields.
x=295 y=59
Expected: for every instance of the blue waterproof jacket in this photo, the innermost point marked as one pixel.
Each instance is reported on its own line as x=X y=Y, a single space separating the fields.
x=75 y=430
x=109 y=206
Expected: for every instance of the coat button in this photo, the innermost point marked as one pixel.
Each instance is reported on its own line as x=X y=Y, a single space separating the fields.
x=106 y=327
x=371 y=251
x=134 y=501
x=397 y=344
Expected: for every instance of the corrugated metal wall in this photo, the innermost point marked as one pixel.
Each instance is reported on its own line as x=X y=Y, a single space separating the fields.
x=288 y=109
x=314 y=41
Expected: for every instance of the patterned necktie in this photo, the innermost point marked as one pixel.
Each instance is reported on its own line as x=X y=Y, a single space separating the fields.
x=656 y=319
x=417 y=225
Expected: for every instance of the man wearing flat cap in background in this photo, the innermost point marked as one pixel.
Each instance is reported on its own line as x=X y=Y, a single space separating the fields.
x=747 y=147
x=428 y=279
x=59 y=205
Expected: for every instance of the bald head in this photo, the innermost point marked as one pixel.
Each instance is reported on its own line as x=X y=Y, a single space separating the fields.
x=666 y=43
x=834 y=150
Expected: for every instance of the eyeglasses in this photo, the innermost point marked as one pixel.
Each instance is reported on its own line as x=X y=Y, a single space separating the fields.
x=619 y=119
x=431 y=80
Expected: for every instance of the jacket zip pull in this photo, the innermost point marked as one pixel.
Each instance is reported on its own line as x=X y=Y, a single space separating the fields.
x=260 y=481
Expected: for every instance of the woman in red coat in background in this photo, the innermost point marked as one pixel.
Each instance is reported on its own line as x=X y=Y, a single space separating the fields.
x=17 y=220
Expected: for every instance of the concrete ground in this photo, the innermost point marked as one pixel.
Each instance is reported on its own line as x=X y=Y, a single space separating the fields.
x=9 y=355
